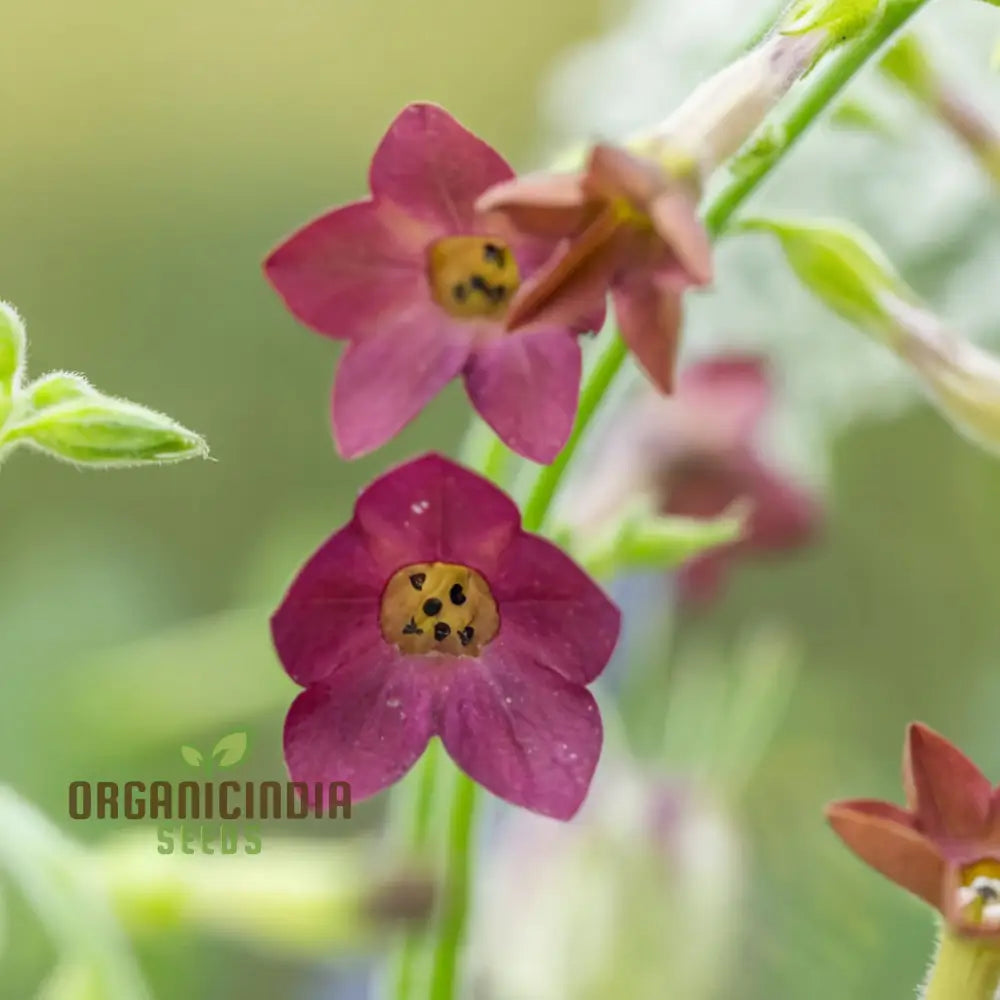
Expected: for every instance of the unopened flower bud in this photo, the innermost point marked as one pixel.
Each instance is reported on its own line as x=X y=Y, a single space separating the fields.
x=98 y=430
x=846 y=271
x=58 y=387
x=841 y=266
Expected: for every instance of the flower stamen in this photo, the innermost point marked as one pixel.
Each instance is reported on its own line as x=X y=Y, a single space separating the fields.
x=979 y=893
x=426 y=625
x=472 y=277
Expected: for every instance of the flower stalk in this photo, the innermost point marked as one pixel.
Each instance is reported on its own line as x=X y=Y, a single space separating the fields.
x=964 y=969
x=816 y=97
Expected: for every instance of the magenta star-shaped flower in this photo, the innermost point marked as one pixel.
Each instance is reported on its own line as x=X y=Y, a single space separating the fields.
x=418 y=282
x=433 y=613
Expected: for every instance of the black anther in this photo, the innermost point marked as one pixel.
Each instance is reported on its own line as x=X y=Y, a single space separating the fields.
x=410 y=628
x=417 y=580
x=441 y=631
x=493 y=254
x=432 y=606
x=466 y=634
x=459 y=292
x=456 y=595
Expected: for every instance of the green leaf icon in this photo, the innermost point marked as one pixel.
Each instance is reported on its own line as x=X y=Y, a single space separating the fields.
x=230 y=749
x=192 y=756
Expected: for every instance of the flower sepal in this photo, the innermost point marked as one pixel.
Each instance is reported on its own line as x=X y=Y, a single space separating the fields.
x=841 y=19
x=642 y=539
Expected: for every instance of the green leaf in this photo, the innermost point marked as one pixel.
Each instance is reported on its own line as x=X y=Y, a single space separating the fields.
x=192 y=756
x=230 y=749
x=842 y=267
x=101 y=431
x=13 y=348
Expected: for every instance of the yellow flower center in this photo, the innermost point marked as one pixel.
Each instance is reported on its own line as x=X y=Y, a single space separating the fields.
x=472 y=277
x=438 y=608
x=979 y=893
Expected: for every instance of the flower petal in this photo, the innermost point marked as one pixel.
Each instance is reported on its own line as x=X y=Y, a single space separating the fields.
x=330 y=614
x=573 y=283
x=435 y=168
x=542 y=204
x=782 y=516
x=733 y=391
x=700 y=580
x=432 y=509
x=348 y=269
x=526 y=386
x=367 y=725
x=676 y=221
x=649 y=319
x=883 y=838
x=553 y=610
x=527 y=735
x=949 y=795
x=384 y=380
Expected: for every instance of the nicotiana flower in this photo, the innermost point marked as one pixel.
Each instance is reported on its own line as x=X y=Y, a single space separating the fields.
x=639 y=897
x=697 y=453
x=945 y=845
x=419 y=281
x=626 y=223
x=432 y=613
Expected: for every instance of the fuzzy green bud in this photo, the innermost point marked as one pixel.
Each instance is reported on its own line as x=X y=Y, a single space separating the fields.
x=97 y=430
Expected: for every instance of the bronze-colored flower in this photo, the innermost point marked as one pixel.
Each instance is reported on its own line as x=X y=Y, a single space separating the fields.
x=628 y=225
x=945 y=845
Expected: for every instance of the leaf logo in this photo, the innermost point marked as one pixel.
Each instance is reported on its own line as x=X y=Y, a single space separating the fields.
x=230 y=750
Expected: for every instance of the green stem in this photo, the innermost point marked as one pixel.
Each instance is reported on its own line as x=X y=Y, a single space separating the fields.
x=964 y=969
x=413 y=814
x=485 y=453
x=815 y=95
x=454 y=909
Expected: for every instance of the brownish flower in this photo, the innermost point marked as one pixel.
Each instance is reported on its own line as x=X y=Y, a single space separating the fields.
x=626 y=224
x=945 y=846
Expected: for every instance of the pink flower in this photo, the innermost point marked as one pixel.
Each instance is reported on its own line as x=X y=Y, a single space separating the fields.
x=419 y=282
x=697 y=454
x=433 y=613
x=945 y=845
x=626 y=225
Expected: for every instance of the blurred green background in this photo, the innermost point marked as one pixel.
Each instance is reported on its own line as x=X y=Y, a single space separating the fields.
x=151 y=155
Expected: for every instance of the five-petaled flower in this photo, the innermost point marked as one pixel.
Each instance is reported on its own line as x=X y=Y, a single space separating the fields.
x=697 y=453
x=627 y=224
x=945 y=846
x=418 y=281
x=433 y=613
